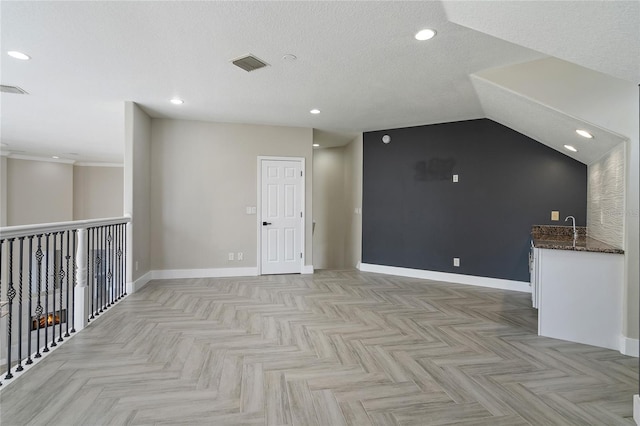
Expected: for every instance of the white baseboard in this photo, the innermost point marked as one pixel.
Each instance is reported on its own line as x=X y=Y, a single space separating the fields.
x=636 y=409
x=629 y=346
x=448 y=277
x=139 y=283
x=307 y=269
x=165 y=274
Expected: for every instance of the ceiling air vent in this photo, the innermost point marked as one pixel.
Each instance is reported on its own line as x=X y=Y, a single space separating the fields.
x=12 y=89
x=249 y=63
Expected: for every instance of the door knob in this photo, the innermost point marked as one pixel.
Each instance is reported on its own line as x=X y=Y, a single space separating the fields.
x=266 y=223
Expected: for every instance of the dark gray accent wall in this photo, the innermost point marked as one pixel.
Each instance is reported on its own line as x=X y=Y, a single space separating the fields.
x=414 y=216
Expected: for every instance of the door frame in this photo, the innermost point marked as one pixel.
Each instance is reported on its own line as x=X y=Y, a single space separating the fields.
x=301 y=160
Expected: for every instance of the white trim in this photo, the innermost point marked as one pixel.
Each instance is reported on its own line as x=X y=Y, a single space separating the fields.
x=303 y=233
x=25 y=230
x=629 y=346
x=90 y=164
x=35 y=158
x=307 y=269
x=448 y=277
x=636 y=409
x=139 y=283
x=165 y=274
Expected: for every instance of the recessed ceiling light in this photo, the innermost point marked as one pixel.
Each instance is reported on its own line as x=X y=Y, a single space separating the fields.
x=316 y=145
x=176 y=101
x=570 y=148
x=425 y=34
x=289 y=57
x=55 y=157
x=18 y=55
x=584 y=134
x=315 y=111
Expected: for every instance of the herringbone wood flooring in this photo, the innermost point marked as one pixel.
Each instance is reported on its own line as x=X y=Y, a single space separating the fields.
x=334 y=348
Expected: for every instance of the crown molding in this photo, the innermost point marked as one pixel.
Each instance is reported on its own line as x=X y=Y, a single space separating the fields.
x=94 y=164
x=36 y=158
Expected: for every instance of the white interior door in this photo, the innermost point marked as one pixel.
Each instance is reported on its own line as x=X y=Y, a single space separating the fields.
x=281 y=216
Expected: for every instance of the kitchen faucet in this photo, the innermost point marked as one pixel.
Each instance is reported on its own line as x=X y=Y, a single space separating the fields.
x=573 y=220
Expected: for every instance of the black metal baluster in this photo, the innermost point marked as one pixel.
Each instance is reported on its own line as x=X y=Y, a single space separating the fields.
x=46 y=293
x=114 y=271
x=109 y=266
x=61 y=273
x=116 y=275
x=105 y=261
x=67 y=257
x=118 y=259
x=19 y=367
x=121 y=282
x=73 y=286
x=55 y=281
x=39 y=257
x=125 y=259
x=99 y=272
x=11 y=293
x=29 y=326
x=91 y=271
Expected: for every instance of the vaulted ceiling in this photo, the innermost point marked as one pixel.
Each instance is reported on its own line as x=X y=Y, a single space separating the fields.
x=524 y=64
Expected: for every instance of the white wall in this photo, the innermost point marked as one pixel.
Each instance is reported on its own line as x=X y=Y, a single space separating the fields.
x=137 y=189
x=38 y=192
x=97 y=192
x=329 y=235
x=3 y=191
x=203 y=176
x=353 y=201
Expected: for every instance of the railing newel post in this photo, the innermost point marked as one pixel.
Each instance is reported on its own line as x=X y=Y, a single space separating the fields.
x=81 y=293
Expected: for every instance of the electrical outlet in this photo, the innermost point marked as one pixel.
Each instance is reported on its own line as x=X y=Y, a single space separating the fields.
x=555 y=215
x=230 y=256
x=248 y=210
x=456 y=261
x=455 y=178
x=240 y=256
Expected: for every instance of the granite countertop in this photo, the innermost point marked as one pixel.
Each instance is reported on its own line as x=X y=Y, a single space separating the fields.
x=561 y=238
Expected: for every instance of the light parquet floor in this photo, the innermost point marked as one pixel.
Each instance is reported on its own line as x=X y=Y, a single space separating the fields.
x=333 y=348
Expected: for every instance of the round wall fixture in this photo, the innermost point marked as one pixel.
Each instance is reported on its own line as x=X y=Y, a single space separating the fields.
x=386 y=139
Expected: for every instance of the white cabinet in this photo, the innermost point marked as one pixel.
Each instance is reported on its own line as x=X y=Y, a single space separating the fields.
x=579 y=295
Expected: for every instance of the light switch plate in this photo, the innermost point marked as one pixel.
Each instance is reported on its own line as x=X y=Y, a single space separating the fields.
x=555 y=215
x=456 y=261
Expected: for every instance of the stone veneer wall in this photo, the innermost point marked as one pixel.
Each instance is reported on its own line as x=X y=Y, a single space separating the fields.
x=605 y=198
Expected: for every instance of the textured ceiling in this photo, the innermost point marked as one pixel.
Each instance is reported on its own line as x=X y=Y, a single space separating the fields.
x=601 y=35
x=357 y=62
